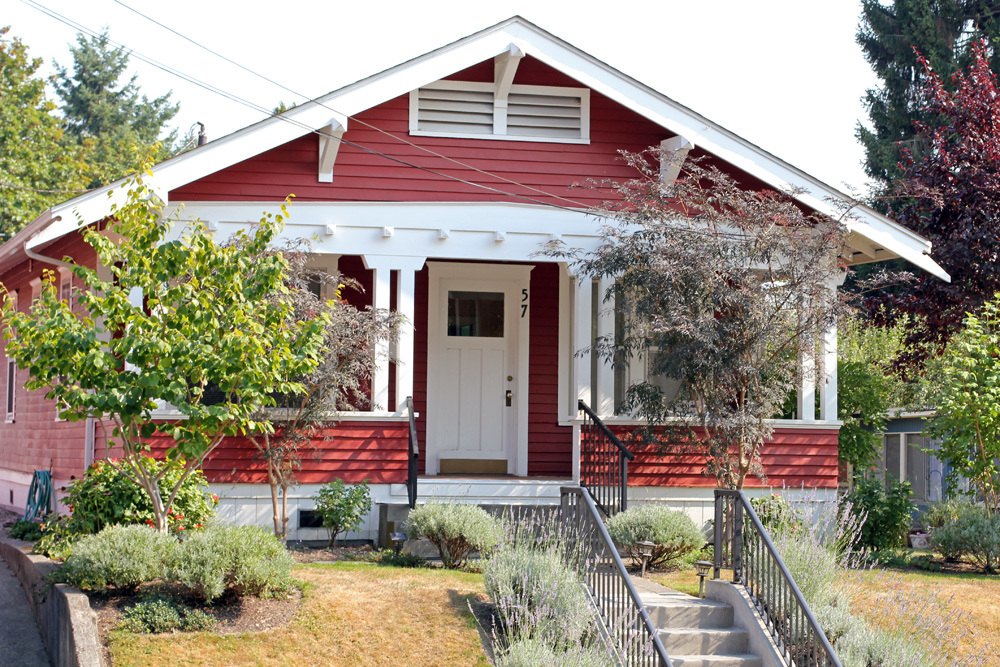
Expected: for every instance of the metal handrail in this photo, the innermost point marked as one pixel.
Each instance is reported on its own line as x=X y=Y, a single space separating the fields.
x=413 y=454
x=743 y=544
x=603 y=463
x=628 y=628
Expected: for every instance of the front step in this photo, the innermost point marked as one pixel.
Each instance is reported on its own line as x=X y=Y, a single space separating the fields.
x=696 y=632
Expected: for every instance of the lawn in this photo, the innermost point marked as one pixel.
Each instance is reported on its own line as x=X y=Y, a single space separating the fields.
x=352 y=614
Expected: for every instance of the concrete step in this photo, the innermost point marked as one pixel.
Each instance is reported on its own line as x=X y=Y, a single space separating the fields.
x=704 y=641
x=690 y=613
x=738 y=660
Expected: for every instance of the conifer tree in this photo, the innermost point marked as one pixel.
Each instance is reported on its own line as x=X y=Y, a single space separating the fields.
x=943 y=31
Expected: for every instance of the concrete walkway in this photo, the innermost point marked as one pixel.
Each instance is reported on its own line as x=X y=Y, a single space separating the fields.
x=20 y=642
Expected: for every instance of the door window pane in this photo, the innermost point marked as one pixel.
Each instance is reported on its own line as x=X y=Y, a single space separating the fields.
x=477 y=314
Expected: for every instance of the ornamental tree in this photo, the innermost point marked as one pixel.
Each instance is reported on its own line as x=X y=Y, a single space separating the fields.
x=953 y=200
x=206 y=318
x=286 y=432
x=967 y=393
x=721 y=289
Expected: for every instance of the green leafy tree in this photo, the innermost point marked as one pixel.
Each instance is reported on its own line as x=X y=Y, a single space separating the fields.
x=341 y=507
x=967 y=422
x=106 y=116
x=719 y=288
x=205 y=319
x=37 y=167
x=943 y=31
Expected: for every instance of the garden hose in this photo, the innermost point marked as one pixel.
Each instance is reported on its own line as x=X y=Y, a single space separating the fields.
x=39 y=495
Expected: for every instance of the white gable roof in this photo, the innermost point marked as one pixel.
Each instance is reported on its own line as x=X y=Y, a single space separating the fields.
x=873 y=235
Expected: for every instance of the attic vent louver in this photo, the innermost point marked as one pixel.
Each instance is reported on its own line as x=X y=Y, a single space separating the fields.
x=531 y=113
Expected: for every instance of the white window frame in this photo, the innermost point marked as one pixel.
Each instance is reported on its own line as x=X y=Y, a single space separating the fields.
x=556 y=91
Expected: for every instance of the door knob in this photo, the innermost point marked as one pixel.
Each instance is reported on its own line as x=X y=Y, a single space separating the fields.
x=510 y=394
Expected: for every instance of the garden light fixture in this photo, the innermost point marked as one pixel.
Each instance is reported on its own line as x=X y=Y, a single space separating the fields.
x=645 y=551
x=702 y=567
x=397 y=541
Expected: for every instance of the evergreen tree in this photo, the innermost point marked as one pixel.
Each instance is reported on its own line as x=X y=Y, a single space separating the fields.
x=943 y=31
x=106 y=116
x=37 y=166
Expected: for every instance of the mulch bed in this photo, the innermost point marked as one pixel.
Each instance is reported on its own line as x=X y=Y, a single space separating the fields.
x=306 y=554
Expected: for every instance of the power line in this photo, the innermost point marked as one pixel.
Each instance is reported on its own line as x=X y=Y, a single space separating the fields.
x=352 y=118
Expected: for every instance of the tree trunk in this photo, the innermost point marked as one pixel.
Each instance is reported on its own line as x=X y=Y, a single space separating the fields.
x=284 y=512
x=272 y=481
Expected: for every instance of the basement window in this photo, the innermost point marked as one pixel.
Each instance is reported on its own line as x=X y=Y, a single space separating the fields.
x=526 y=113
x=310 y=519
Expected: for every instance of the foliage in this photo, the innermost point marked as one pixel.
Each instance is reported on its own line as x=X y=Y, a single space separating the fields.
x=28 y=531
x=891 y=35
x=951 y=196
x=342 y=508
x=777 y=514
x=536 y=652
x=537 y=595
x=39 y=168
x=975 y=533
x=887 y=508
x=674 y=533
x=390 y=558
x=111 y=119
x=57 y=538
x=455 y=529
x=105 y=497
x=944 y=512
x=206 y=320
x=967 y=420
x=721 y=289
x=120 y=556
x=350 y=338
x=164 y=615
x=247 y=560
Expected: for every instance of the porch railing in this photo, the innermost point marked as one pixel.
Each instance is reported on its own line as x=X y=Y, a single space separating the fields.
x=629 y=631
x=603 y=463
x=743 y=545
x=413 y=453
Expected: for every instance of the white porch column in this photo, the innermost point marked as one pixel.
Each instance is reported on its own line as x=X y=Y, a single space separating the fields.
x=828 y=350
x=807 y=390
x=582 y=338
x=381 y=266
x=605 y=399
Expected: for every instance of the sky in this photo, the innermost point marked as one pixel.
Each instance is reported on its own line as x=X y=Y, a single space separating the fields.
x=783 y=74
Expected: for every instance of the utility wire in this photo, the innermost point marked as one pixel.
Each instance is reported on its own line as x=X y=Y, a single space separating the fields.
x=77 y=26
x=353 y=118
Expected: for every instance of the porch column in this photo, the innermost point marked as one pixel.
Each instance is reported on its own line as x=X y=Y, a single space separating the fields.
x=381 y=266
x=807 y=388
x=582 y=338
x=405 y=306
x=828 y=350
x=605 y=399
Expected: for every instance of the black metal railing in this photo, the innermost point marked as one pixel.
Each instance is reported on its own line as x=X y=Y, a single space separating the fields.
x=603 y=463
x=627 y=627
x=743 y=545
x=413 y=453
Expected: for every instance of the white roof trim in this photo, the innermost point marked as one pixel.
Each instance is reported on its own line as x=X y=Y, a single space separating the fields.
x=482 y=46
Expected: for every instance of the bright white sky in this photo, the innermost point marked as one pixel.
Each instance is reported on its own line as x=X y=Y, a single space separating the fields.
x=784 y=74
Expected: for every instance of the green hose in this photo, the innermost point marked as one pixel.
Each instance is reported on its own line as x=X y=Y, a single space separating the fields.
x=39 y=495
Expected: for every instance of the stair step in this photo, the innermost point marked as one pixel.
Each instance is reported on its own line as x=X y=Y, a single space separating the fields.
x=691 y=614
x=704 y=641
x=736 y=660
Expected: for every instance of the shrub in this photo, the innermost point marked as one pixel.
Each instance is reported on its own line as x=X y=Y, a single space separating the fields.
x=57 y=539
x=392 y=559
x=533 y=652
x=28 y=531
x=342 y=508
x=536 y=595
x=106 y=497
x=456 y=530
x=674 y=533
x=776 y=513
x=247 y=560
x=888 y=509
x=120 y=556
x=162 y=615
x=944 y=512
x=974 y=533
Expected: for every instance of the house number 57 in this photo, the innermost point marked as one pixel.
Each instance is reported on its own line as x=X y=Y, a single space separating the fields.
x=524 y=302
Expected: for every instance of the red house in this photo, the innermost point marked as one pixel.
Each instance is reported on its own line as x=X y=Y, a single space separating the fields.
x=434 y=184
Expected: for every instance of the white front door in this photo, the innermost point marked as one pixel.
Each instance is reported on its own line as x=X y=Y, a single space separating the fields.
x=477 y=379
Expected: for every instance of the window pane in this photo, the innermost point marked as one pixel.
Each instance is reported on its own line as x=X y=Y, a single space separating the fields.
x=892 y=467
x=477 y=314
x=10 y=386
x=917 y=469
